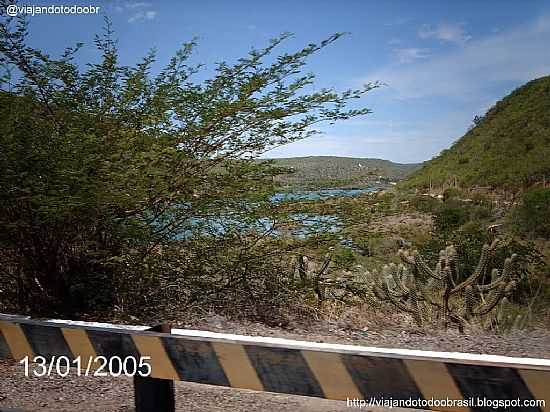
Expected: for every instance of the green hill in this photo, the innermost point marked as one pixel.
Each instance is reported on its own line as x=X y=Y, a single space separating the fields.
x=332 y=171
x=508 y=148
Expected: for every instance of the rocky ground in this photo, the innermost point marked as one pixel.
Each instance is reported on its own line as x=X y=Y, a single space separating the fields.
x=115 y=394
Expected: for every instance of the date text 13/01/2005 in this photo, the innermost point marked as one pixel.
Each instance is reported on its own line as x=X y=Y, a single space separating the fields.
x=114 y=366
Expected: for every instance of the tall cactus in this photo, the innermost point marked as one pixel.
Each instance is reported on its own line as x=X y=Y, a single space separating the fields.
x=311 y=279
x=436 y=294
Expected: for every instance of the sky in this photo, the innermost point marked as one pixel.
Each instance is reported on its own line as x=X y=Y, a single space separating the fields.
x=441 y=62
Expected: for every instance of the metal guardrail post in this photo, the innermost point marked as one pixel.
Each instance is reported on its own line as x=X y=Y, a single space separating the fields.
x=153 y=394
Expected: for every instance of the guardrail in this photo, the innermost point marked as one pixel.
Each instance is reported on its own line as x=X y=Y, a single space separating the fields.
x=341 y=372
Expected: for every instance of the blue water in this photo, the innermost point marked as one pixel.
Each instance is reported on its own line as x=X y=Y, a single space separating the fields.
x=313 y=224
x=319 y=194
x=308 y=224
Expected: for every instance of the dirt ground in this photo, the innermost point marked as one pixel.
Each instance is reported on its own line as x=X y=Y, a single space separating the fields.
x=116 y=394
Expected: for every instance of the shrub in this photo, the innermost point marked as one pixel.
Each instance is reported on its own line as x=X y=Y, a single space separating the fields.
x=344 y=258
x=532 y=215
x=426 y=204
x=450 y=217
x=451 y=193
x=477 y=212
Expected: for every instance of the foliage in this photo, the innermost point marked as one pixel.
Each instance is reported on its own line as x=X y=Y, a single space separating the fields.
x=532 y=216
x=451 y=193
x=454 y=213
x=120 y=187
x=426 y=204
x=344 y=258
x=508 y=148
x=450 y=217
x=471 y=233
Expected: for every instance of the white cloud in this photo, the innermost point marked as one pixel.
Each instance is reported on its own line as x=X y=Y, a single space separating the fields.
x=542 y=24
x=398 y=21
x=137 y=5
x=518 y=55
x=139 y=10
x=452 y=33
x=143 y=16
x=410 y=54
x=394 y=41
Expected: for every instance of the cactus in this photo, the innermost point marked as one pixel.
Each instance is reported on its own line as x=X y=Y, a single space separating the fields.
x=313 y=279
x=302 y=268
x=435 y=294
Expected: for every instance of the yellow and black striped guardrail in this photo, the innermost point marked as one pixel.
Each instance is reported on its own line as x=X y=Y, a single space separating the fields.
x=329 y=371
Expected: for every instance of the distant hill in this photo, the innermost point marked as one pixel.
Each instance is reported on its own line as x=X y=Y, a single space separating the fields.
x=332 y=171
x=508 y=148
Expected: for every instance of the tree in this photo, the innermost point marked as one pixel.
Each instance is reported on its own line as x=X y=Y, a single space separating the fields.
x=116 y=179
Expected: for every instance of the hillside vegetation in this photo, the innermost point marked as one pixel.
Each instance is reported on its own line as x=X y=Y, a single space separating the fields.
x=508 y=148
x=332 y=171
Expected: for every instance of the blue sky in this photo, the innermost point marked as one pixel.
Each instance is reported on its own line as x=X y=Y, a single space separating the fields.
x=443 y=61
